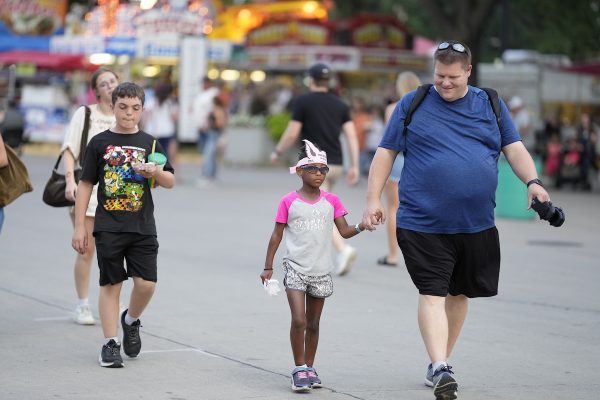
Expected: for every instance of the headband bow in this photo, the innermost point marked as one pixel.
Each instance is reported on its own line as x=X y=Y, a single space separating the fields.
x=313 y=156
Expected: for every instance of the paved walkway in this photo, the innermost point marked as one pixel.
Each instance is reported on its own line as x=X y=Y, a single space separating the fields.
x=211 y=332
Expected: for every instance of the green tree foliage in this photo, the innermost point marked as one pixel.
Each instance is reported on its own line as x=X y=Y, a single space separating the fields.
x=490 y=26
x=556 y=27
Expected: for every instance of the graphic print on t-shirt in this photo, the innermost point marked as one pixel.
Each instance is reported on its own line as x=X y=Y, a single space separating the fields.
x=316 y=222
x=123 y=187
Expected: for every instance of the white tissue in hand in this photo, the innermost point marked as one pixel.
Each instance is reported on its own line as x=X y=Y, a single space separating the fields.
x=272 y=287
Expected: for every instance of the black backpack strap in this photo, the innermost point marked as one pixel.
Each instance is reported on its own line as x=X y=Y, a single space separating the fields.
x=416 y=102
x=494 y=101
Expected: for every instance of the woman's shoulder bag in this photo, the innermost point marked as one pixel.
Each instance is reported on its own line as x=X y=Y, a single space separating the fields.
x=14 y=179
x=54 y=191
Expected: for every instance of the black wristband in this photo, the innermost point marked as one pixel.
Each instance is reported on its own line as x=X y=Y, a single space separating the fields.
x=536 y=181
x=268 y=269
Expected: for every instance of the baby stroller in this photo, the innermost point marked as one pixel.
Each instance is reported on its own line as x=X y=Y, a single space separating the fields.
x=573 y=168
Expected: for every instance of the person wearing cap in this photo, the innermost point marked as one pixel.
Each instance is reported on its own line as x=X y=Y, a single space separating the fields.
x=445 y=223
x=522 y=120
x=306 y=218
x=320 y=116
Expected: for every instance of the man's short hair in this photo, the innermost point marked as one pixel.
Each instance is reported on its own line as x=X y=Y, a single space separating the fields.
x=128 y=89
x=451 y=51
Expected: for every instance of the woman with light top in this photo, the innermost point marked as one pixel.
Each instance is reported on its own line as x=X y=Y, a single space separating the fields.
x=407 y=81
x=101 y=118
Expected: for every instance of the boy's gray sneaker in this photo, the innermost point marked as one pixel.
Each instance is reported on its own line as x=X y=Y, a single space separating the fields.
x=110 y=355
x=313 y=377
x=132 y=344
x=429 y=376
x=300 y=380
x=444 y=385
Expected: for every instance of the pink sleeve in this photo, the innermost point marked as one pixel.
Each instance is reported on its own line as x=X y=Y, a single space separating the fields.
x=284 y=206
x=338 y=207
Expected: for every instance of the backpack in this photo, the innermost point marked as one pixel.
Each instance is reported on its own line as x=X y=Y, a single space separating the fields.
x=424 y=89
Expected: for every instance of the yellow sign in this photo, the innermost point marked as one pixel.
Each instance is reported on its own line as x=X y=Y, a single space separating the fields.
x=236 y=21
x=25 y=69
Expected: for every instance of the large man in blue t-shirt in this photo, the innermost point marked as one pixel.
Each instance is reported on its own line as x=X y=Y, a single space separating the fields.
x=445 y=221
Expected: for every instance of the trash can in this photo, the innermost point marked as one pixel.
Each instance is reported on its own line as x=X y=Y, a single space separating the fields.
x=511 y=194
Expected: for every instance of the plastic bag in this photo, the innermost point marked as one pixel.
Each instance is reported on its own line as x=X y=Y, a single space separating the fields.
x=272 y=287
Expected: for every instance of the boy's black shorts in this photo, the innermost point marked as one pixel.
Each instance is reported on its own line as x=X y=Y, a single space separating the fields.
x=462 y=263
x=140 y=252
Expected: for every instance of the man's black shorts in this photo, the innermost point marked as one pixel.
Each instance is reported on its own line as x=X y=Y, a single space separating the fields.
x=140 y=252
x=462 y=263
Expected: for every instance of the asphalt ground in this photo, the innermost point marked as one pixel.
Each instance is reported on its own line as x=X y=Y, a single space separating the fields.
x=211 y=331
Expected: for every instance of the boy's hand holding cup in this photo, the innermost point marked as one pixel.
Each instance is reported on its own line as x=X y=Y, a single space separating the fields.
x=159 y=161
x=147 y=170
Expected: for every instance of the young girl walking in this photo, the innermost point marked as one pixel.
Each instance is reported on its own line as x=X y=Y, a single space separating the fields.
x=307 y=216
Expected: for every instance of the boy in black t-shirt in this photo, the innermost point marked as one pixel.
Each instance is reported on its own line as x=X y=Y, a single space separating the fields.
x=124 y=227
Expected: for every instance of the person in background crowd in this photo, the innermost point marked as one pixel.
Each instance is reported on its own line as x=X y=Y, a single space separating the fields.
x=103 y=82
x=12 y=126
x=201 y=108
x=522 y=120
x=160 y=120
x=217 y=121
x=585 y=136
x=3 y=163
x=407 y=81
x=362 y=119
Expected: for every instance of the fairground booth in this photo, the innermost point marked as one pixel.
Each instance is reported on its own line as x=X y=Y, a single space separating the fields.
x=47 y=44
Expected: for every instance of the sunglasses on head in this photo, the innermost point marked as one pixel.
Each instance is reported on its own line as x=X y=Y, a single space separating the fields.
x=311 y=169
x=454 y=46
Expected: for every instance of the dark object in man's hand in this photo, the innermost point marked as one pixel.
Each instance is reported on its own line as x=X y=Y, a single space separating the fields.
x=554 y=215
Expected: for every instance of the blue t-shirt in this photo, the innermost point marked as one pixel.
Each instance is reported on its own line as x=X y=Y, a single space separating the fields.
x=451 y=152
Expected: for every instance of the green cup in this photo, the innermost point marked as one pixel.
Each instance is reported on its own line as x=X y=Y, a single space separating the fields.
x=159 y=158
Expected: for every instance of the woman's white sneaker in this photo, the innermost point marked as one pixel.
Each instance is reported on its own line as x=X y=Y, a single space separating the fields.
x=83 y=315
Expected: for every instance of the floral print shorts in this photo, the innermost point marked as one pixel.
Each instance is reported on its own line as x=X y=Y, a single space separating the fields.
x=315 y=286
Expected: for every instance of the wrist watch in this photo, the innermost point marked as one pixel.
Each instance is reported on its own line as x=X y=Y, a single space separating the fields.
x=536 y=181
x=357 y=227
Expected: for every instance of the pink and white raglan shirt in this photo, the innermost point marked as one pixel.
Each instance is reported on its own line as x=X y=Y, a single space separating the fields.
x=309 y=231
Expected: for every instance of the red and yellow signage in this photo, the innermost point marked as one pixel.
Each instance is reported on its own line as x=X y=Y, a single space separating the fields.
x=292 y=32
x=378 y=31
x=236 y=21
x=33 y=17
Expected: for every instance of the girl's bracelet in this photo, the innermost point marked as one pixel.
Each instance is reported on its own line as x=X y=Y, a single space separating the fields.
x=268 y=269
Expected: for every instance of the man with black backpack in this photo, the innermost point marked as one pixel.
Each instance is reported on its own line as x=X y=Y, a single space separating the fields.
x=451 y=135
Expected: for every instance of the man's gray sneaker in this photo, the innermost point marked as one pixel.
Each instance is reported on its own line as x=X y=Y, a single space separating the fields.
x=132 y=344
x=429 y=376
x=444 y=385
